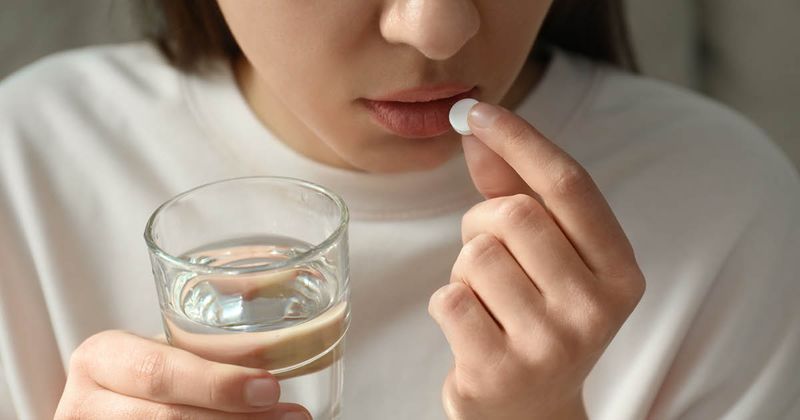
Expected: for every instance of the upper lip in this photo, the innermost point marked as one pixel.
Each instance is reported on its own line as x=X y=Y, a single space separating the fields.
x=425 y=93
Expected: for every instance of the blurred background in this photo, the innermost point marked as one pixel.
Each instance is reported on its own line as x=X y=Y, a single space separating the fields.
x=742 y=52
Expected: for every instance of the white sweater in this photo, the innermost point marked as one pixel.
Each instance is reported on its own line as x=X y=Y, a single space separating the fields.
x=91 y=141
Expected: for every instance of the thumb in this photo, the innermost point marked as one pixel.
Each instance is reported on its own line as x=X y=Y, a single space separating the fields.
x=490 y=173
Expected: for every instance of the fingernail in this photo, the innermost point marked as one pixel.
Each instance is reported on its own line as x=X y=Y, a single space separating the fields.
x=296 y=415
x=261 y=392
x=482 y=115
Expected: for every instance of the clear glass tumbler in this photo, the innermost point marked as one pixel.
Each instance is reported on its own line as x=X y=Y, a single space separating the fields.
x=254 y=272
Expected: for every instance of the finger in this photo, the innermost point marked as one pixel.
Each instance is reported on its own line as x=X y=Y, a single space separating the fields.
x=565 y=187
x=499 y=282
x=492 y=176
x=104 y=404
x=137 y=367
x=472 y=333
x=534 y=240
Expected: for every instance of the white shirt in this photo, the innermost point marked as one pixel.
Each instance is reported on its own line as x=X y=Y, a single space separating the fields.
x=91 y=141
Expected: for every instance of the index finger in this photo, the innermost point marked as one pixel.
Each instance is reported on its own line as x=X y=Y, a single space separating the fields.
x=563 y=185
x=137 y=367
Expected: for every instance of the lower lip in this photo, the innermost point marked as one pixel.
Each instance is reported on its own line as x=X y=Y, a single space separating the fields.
x=416 y=119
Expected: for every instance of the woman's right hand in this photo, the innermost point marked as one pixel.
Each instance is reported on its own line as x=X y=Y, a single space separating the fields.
x=118 y=375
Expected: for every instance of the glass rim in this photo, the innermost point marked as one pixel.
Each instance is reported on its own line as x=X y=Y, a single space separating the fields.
x=310 y=254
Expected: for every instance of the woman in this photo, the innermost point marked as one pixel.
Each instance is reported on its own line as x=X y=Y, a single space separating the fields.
x=526 y=223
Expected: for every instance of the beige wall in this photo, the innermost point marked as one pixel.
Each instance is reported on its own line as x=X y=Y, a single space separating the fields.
x=32 y=28
x=743 y=52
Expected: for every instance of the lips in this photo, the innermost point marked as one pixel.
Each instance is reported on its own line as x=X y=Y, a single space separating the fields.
x=421 y=119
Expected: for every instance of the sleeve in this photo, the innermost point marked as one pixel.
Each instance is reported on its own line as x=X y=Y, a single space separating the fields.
x=740 y=359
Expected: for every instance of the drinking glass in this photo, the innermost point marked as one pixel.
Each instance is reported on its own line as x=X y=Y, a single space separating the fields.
x=254 y=271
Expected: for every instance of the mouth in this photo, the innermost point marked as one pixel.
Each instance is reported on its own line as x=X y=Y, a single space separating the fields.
x=409 y=114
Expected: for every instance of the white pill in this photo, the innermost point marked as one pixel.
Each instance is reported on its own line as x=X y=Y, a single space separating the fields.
x=458 y=115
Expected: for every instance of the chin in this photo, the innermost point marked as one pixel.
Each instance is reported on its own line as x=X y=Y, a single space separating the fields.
x=421 y=155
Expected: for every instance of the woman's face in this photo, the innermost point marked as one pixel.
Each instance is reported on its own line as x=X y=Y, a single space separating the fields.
x=311 y=64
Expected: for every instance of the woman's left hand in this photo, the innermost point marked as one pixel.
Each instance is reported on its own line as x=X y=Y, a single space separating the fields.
x=545 y=278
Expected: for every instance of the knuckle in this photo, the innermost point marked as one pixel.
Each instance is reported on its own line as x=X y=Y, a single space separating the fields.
x=452 y=304
x=618 y=272
x=632 y=293
x=469 y=219
x=519 y=210
x=481 y=250
x=153 y=372
x=629 y=290
x=467 y=392
x=637 y=288
x=451 y=401
x=76 y=360
x=84 y=352
x=568 y=179
x=90 y=349
x=461 y=389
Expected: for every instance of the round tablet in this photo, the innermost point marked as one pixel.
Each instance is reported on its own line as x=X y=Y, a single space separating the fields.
x=458 y=115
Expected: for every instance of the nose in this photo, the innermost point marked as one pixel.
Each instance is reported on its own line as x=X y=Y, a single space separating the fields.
x=437 y=28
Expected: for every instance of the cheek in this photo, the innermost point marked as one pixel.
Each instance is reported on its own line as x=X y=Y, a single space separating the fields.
x=298 y=49
x=509 y=33
x=282 y=39
x=322 y=105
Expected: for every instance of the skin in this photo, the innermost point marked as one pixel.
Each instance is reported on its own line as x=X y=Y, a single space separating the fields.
x=307 y=64
x=118 y=375
x=540 y=288
x=546 y=276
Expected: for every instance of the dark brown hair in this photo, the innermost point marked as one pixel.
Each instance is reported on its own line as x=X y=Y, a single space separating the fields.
x=190 y=33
